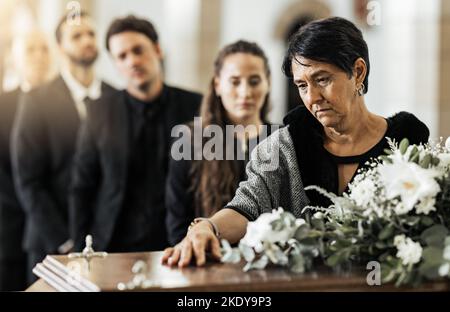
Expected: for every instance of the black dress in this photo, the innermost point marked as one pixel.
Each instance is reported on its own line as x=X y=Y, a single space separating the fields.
x=180 y=203
x=319 y=167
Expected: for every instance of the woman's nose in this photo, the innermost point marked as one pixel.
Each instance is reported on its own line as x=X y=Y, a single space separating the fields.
x=245 y=90
x=313 y=95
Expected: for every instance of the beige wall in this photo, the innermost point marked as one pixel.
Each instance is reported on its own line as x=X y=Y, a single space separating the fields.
x=444 y=71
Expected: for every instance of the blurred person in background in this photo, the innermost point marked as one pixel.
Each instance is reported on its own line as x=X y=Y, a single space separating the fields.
x=238 y=95
x=32 y=61
x=117 y=191
x=44 y=135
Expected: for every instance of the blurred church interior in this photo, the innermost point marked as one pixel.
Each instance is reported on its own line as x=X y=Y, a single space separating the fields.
x=408 y=41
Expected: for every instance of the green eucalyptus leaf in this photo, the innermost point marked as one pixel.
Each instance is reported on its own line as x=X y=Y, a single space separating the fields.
x=404 y=146
x=302 y=232
x=339 y=257
x=388 y=151
x=432 y=255
x=381 y=245
x=435 y=235
x=425 y=162
x=429 y=270
x=386 y=232
x=318 y=224
x=386 y=159
x=297 y=263
x=435 y=161
x=427 y=221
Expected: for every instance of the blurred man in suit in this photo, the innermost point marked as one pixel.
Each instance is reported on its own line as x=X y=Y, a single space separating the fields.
x=32 y=62
x=121 y=164
x=44 y=136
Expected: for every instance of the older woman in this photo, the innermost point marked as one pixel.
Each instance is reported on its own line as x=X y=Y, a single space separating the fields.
x=324 y=143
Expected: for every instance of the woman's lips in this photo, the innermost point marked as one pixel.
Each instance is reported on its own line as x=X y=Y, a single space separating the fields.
x=324 y=110
x=245 y=105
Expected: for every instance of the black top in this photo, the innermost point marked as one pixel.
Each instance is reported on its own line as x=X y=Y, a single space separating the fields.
x=319 y=167
x=120 y=170
x=180 y=203
x=142 y=188
x=12 y=217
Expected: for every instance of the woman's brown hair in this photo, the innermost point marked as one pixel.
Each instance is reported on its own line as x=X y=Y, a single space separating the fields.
x=214 y=182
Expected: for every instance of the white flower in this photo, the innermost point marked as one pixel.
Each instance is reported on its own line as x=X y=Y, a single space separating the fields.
x=397 y=156
x=444 y=269
x=401 y=209
x=409 y=251
x=426 y=205
x=446 y=254
x=409 y=181
x=363 y=192
x=261 y=230
x=318 y=215
x=444 y=160
x=447 y=144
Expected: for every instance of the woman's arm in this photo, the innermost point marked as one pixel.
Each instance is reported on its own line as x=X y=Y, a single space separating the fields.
x=273 y=181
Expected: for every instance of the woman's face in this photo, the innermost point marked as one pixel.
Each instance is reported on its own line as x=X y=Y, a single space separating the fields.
x=326 y=90
x=243 y=86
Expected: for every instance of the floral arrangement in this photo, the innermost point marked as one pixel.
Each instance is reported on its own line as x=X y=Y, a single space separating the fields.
x=397 y=212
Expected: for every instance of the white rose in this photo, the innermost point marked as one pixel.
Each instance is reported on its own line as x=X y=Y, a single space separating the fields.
x=261 y=230
x=409 y=181
x=408 y=251
x=444 y=160
x=426 y=205
x=447 y=144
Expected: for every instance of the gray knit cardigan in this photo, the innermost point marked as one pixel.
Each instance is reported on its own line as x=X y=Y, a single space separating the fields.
x=270 y=186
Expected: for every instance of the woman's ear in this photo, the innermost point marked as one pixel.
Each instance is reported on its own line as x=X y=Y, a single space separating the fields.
x=359 y=70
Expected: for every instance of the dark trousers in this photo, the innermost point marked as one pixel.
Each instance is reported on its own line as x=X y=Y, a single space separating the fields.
x=34 y=257
x=13 y=275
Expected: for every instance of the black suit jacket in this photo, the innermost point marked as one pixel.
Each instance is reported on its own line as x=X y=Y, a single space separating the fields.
x=42 y=149
x=11 y=214
x=100 y=167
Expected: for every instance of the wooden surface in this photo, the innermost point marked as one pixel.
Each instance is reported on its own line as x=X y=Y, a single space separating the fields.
x=108 y=272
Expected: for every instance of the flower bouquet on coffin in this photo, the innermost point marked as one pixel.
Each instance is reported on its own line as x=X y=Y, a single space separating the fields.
x=274 y=238
x=397 y=212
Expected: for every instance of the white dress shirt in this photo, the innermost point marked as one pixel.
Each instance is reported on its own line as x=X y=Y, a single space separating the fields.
x=80 y=93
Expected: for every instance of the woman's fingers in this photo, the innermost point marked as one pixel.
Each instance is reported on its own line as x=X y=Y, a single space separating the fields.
x=173 y=260
x=199 y=246
x=166 y=255
x=215 y=249
x=186 y=255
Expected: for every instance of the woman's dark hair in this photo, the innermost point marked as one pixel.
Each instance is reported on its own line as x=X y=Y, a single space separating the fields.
x=131 y=23
x=214 y=182
x=332 y=40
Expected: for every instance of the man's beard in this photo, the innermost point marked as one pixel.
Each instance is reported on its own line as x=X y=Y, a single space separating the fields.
x=83 y=61
x=145 y=86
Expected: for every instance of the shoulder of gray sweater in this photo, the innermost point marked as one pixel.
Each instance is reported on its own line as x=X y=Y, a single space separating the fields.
x=276 y=149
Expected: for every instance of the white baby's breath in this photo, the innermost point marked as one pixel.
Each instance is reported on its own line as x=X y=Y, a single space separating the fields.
x=408 y=251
